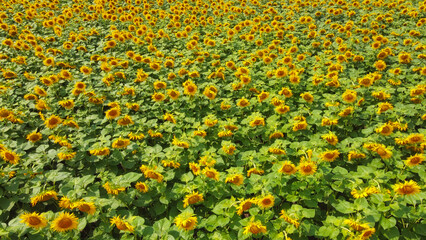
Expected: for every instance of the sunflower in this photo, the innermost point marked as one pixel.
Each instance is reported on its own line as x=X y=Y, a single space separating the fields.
x=87 y=207
x=126 y=120
x=407 y=188
x=257 y=121
x=152 y=174
x=385 y=129
x=236 y=179
x=349 y=96
x=192 y=198
x=307 y=167
x=141 y=187
x=254 y=227
x=367 y=233
x=243 y=102
x=113 y=190
x=65 y=203
x=415 y=138
x=356 y=225
x=113 y=113
x=42 y=197
x=186 y=221
x=211 y=173
x=190 y=89
x=121 y=224
x=245 y=205
x=287 y=218
x=121 y=143
x=34 y=220
x=288 y=168
x=301 y=125
x=330 y=156
x=266 y=201
x=9 y=156
x=53 y=121
x=49 y=61
x=307 y=97
x=414 y=160
x=330 y=138
x=64 y=222
x=86 y=70
x=173 y=94
x=158 y=97
x=67 y=104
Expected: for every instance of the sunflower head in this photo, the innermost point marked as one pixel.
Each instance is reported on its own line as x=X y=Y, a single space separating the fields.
x=34 y=220
x=65 y=222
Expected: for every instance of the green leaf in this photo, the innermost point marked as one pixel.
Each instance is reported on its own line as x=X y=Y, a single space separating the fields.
x=344 y=207
x=56 y=176
x=392 y=233
x=308 y=213
x=162 y=226
x=420 y=229
x=388 y=223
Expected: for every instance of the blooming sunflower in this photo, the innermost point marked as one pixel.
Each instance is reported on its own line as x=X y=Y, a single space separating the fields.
x=236 y=179
x=245 y=205
x=9 y=156
x=211 y=173
x=192 y=198
x=141 y=187
x=331 y=138
x=64 y=222
x=414 y=160
x=53 y=121
x=121 y=143
x=42 y=197
x=407 y=188
x=307 y=168
x=254 y=227
x=186 y=221
x=330 y=156
x=288 y=168
x=266 y=201
x=113 y=113
x=349 y=96
x=307 y=97
x=87 y=207
x=121 y=224
x=34 y=220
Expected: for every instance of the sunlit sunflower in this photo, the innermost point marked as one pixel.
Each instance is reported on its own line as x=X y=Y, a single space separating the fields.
x=52 y=121
x=211 y=173
x=192 y=198
x=186 y=221
x=236 y=179
x=288 y=168
x=34 y=220
x=121 y=224
x=407 y=188
x=330 y=156
x=87 y=207
x=414 y=160
x=254 y=227
x=141 y=187
x=307 y=168
x=64 y=222
x=120 y=143
x=9 y=156
x=45 y=196
x=265 y=202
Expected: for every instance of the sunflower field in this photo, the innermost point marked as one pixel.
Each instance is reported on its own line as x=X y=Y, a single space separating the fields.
x=204 y=119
